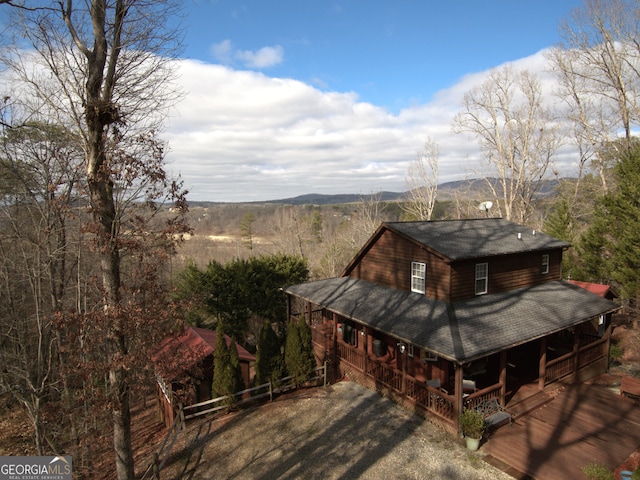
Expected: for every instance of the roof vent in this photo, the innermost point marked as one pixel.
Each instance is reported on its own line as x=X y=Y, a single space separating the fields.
x=533 y=233
x=519 y=236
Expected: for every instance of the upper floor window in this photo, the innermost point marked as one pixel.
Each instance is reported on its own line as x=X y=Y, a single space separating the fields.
x=545 y=263
x=418 y=277
x=482 y=278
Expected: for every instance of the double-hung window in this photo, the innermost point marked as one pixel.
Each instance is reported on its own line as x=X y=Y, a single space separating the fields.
x=482 y=278
x=545 y=263
x=418 y=277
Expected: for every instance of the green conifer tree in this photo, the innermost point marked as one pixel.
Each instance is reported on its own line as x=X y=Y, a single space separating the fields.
x=269 y=362
x=610 y=249
x=298 y=351
x=225 y=373
x=235 y=369
x=306 y=346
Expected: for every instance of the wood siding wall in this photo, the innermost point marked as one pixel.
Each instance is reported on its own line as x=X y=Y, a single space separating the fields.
x=507 y=272
x=388 y=263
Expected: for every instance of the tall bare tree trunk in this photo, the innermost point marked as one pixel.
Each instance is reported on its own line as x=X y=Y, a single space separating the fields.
x=100 y=112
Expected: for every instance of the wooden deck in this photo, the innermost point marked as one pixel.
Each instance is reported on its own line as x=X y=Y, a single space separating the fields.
x=582 y=424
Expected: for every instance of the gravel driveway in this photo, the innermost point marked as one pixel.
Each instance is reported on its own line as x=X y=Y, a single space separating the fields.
x=343 y=431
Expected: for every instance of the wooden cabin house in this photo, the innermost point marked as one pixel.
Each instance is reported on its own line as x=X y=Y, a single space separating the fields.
x=444 y=315
x=184 y=369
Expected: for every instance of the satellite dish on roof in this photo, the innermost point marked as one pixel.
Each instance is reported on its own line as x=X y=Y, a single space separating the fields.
x=485 y=206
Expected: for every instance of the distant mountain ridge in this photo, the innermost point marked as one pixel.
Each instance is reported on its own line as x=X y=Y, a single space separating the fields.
x=473 y=188
x=446 y=191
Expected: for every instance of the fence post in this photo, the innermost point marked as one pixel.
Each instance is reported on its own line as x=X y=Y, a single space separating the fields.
x=156 y=469
x=183 y=423
x=270 y=391
x=325 y=373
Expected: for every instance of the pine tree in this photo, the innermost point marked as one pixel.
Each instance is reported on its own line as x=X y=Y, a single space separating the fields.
x=610 y=249
x=560 y=224
x=269 y=362
x=298 y=352
x=306 y=346
x=235 y=370
x=226 y=368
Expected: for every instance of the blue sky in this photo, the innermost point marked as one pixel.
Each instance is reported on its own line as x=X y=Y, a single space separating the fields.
x=293 y=97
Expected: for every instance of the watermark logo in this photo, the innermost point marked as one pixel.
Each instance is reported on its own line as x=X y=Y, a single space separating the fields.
x=36 y=468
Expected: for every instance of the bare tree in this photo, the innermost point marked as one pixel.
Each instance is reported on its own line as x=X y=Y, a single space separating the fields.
x=597 y=66
x=602 y=44
x=422 y=182
x=39 y=169
x=105 y=69
x=516 y=134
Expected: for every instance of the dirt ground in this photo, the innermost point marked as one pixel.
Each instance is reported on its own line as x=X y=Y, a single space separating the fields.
x=342 y=431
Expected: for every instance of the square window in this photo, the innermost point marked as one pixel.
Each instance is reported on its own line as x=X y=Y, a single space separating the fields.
x=482 y=275
x=418 y=277
x=545 y=263
x=429 y=357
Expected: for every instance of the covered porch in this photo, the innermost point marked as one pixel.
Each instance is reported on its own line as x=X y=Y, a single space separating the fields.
x=439 y=358
x=442 y=388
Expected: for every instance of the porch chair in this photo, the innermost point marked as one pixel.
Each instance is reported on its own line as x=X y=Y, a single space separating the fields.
x=468 y=386
x=435 y=383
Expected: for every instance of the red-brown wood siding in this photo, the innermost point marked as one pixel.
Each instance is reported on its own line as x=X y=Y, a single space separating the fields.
x=507 y=272
x=388 y=262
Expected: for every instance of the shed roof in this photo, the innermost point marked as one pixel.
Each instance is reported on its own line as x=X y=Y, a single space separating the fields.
x=476 y=238
x=597 y=288
x=179 y=354
x=461 y=331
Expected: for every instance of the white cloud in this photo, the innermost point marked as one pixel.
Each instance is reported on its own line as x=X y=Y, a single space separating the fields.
x=263 y=58
x=225 y=53
x=244 y=136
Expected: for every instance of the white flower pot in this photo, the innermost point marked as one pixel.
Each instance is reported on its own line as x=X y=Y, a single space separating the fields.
x=473 y=443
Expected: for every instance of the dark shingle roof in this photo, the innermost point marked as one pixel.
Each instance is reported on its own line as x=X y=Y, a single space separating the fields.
x=465 y=330
x=462 y=239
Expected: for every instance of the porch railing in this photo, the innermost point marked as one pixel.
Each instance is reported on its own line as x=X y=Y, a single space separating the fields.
x=351 y=355
x=592 y=352
x=432 y=399
x=386 y=375
x=558 y=368
x=476 y=398
x=563 y=366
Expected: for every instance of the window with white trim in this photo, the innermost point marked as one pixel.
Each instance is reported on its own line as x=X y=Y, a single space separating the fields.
x=482 y=278
x=410 y=350
x=545 y=263
x=418 y=277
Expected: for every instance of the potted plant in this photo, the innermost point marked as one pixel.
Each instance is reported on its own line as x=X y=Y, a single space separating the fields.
x=472 y=426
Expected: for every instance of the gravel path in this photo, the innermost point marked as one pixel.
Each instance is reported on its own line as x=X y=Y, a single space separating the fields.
x=343 y=431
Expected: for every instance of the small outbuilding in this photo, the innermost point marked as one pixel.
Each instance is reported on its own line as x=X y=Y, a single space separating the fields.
x=184 y=369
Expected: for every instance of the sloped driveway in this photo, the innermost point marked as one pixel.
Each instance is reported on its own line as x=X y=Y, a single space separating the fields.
x=343 y=431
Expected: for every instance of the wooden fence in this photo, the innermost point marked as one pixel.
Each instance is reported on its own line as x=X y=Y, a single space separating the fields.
x=160 y=457
x=222 y=403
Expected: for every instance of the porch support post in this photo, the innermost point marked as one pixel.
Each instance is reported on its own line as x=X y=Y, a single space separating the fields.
x=457 y=407
x=542 y=368
x=576 y=351
x=404 y=370
x=309 y=312
x=365 y=343
x=503 y=377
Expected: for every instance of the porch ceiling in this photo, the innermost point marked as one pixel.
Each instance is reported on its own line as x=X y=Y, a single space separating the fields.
x=460 y=331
